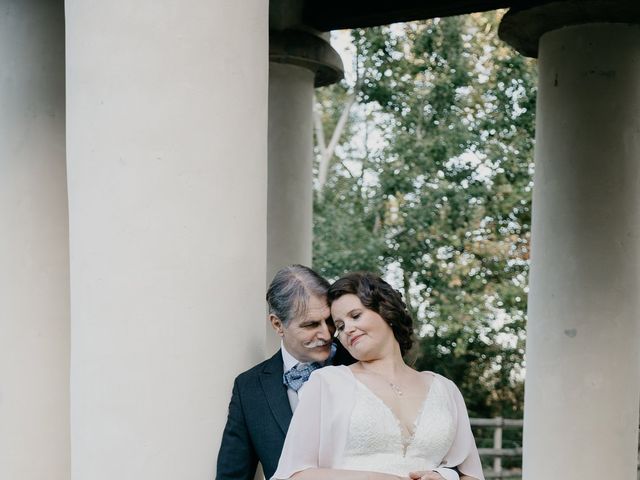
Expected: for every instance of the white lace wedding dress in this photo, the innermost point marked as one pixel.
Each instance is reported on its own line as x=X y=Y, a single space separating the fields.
x=375 y=440
x=341 y=424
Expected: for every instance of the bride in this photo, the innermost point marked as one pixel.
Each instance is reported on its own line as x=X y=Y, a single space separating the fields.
x=377 y=419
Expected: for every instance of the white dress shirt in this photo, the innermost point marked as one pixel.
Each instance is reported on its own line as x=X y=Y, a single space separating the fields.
x=289 y=362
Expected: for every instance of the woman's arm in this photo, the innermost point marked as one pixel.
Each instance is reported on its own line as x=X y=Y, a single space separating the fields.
x=308 y=436
x=432 y=475
x=332 y=474
x=463 y=454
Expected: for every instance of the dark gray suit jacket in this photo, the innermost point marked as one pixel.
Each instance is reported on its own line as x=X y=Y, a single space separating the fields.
x=259 y=416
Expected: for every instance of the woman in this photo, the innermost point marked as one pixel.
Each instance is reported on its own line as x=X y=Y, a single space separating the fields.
x=377 y=419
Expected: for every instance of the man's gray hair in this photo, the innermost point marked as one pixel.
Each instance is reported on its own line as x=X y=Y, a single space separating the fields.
x=290 y=290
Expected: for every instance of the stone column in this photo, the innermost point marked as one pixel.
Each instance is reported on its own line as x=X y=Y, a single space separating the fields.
x=290 y=204
x=583 y=362
x=167 y=167
x=34 y=270
x=299 y=62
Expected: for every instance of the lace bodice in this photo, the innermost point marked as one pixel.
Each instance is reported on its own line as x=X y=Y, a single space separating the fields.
x=375 y=441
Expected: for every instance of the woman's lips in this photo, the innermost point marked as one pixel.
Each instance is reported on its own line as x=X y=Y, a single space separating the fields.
x=355 y=339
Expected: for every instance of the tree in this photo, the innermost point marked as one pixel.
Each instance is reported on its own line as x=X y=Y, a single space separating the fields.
x=430 y=185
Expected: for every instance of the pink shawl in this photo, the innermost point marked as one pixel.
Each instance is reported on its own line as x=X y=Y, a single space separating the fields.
x=318 y=431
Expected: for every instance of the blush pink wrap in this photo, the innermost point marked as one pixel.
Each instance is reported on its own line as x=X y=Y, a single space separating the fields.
x=318 y=431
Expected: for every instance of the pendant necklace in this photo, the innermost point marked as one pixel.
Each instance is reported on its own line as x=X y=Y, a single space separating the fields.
x=394 y=386
x=396 y=389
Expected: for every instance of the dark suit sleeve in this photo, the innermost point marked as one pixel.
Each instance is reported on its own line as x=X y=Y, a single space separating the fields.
x=342 y=356
x=237 y=459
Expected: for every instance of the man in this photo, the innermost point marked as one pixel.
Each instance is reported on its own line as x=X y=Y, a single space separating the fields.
x=265 y=396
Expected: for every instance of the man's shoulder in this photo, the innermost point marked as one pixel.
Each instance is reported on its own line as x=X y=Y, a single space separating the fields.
x=271 y=365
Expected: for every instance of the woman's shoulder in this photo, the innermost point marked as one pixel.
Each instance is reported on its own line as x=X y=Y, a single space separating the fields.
x=332 y=373
x=449 y=384
x=330 y=380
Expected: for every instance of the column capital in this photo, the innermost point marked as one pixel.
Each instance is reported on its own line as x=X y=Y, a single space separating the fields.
x=522 y=27
x=298 y=47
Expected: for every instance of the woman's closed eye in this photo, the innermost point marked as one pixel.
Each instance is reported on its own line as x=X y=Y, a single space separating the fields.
x=340 y=325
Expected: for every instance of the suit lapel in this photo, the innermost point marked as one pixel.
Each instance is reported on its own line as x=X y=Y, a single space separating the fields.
x=275 y=392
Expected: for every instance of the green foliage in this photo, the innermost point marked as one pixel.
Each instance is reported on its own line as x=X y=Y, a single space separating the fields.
x=432 y=187
x=342 y=219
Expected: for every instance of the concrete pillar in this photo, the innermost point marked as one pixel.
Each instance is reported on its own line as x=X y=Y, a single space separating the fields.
x=290 y=212
x=300 y=61
x=167 y=167
x=583 y=359
x=34 y=271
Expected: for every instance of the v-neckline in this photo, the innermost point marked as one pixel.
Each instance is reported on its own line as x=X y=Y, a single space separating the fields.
x=399 y=423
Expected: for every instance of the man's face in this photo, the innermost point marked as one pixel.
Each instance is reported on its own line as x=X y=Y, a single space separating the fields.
x=308 y=338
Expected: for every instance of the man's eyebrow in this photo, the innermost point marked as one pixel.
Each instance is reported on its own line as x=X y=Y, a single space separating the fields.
x=309 y=322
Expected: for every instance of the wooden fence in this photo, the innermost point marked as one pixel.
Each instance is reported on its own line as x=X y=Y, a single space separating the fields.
x=497 y=452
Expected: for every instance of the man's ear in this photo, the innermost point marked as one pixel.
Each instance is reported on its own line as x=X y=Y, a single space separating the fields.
x=276 y=324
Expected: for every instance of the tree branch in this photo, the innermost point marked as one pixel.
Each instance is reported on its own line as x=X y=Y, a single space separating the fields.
x=327 y=154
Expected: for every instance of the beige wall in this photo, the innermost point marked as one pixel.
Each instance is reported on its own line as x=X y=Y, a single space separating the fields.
x=34 y=271
x=583 y=362
x=290 y=206
x=167 y=159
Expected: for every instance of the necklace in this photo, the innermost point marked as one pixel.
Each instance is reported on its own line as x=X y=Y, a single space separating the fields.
x=394 y=386
x=396 y=389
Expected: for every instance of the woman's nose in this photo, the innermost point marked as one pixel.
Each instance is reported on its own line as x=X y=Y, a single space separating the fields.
x=349 y=327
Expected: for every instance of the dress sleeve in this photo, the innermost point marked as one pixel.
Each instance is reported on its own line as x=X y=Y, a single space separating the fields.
x=447 y=473
x=302 y=444
x=463 y=454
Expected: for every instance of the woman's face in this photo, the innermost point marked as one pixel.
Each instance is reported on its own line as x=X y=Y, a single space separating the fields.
x=363 y=332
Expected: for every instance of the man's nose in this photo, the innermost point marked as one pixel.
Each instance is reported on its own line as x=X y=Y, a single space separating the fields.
x=325 y=331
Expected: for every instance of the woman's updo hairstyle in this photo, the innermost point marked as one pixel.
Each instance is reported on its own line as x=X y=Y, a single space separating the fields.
x=377 y=295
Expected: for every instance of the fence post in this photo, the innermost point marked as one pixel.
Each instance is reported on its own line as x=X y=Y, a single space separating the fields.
x=497 y=444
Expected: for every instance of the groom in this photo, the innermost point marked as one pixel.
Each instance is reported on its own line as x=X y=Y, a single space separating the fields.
x=265 y=396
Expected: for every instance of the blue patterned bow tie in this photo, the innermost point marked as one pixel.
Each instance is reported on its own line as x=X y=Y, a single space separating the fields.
x=295 y=378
